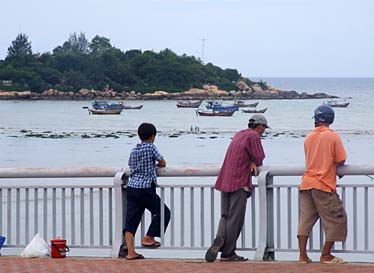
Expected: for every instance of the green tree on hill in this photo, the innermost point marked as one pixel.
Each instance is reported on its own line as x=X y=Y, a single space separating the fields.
x=78 y=63
x=20 y=51
x=99 y=44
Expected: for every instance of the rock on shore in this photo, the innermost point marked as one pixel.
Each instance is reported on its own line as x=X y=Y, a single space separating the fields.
x=208 y=92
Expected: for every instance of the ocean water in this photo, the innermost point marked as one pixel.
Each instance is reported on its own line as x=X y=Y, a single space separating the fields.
x=290 y=121
x=183 y=138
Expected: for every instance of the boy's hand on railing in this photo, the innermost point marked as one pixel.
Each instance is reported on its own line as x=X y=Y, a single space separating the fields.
x=254 y=170
x=161 y=163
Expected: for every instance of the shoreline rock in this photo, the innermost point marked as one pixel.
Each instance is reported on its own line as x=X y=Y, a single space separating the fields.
x=209 y=92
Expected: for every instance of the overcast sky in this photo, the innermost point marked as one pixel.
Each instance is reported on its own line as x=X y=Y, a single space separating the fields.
x=265 y=38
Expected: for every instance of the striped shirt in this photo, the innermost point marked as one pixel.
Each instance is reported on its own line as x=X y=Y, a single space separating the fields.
x=142 y=163
x=245 y=149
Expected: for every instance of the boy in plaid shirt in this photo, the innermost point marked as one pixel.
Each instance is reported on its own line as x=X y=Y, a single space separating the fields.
x=141 y=191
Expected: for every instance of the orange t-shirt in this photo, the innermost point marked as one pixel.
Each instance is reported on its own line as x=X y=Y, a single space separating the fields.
x=323 y=150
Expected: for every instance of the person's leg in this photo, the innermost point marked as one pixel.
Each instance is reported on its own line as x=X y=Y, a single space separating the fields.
x=225 y=205
x=155 y=226
x=211 y=254
x=129 y=239
x=326 y=251
x=307 y=219
x=152 y=202
x=303 y=255
x=334 y=221
x=234 y=222
x=133 y=218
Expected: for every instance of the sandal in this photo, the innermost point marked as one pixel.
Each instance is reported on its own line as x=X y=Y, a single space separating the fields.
x=335 y=260
x=155 y=244
x=137 y=257
x=234 y=258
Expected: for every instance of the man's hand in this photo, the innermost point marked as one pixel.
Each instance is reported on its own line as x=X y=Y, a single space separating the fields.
x=254 y=170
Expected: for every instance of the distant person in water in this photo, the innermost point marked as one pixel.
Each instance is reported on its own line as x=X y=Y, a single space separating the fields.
x=234 y=181
x=141 y=191
x=318 y=198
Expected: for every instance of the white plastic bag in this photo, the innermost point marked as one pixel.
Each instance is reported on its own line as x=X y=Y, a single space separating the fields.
x=37 y=248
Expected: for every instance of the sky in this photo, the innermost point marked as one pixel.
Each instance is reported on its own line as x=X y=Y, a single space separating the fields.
x=259 y=38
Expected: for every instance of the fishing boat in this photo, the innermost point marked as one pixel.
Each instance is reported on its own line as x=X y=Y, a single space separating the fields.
x=254 y=110
x=211 y=113
x=241 y=103
x=188 y=104
x=131 y=107
x=115 y=111
x=103 y=104
x=216 y=106
x=334 y=103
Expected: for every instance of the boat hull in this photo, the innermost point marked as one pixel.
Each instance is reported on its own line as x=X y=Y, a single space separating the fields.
x=242 y=104
x=105 y=111
x=338 y=105
x=129 y=107
x=254 y=110
x=215 y=113
x=189 y=104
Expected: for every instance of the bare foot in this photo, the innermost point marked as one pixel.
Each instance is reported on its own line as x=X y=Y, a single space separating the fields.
x=326 y=258
x=147 y=240
x=304 y=260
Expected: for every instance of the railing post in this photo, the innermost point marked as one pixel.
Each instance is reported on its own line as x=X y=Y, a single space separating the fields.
x=269 y=254
x=264 y=251
x=120 y=182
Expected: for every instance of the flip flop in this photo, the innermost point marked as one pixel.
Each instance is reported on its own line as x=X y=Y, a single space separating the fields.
x=154 y=245
x=306 y=262
x=234 y=258
x=137 y=257
x=335 y=260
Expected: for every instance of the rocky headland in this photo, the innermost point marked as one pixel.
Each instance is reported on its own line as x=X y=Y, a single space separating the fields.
x=243 y=91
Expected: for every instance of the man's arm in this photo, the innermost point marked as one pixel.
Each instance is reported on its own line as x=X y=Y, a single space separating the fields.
x=256 y=152
x=340 y=163
x=254 y=170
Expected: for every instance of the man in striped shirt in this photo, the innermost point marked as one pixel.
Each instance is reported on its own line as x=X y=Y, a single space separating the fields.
x=243 y=156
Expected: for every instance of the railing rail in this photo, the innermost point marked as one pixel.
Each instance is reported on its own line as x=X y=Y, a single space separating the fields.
x=84 y=214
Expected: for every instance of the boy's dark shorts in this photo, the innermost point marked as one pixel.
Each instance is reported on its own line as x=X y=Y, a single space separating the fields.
x=137 y=201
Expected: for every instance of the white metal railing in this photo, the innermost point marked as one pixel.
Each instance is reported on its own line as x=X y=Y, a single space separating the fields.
x=84 y=214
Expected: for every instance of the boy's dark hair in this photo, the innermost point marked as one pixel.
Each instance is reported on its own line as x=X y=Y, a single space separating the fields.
x=146 y=130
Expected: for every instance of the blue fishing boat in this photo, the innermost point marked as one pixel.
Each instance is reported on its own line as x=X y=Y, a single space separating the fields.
x=103 y=104
x=217 y=106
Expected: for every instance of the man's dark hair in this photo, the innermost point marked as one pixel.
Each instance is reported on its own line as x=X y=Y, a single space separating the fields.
x=252 y=125
x=146 y=131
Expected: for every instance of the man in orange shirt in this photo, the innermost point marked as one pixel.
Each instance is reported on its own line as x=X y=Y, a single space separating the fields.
x=324 y=151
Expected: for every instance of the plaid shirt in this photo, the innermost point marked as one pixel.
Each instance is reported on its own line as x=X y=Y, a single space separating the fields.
x=245 y=149
x=142 y=163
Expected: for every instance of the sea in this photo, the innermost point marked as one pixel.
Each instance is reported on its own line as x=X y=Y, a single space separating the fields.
x=62 y=133
x=44 y=134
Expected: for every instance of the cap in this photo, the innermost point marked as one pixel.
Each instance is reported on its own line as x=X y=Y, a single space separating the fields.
x=259 y=119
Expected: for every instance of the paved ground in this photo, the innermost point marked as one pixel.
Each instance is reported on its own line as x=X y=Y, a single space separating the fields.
x=95 y=265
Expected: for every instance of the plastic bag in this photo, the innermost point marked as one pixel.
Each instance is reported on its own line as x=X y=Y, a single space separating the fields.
x=37 y=248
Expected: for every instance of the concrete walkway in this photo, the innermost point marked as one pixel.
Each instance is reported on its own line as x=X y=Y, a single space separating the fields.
x=95 y=265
